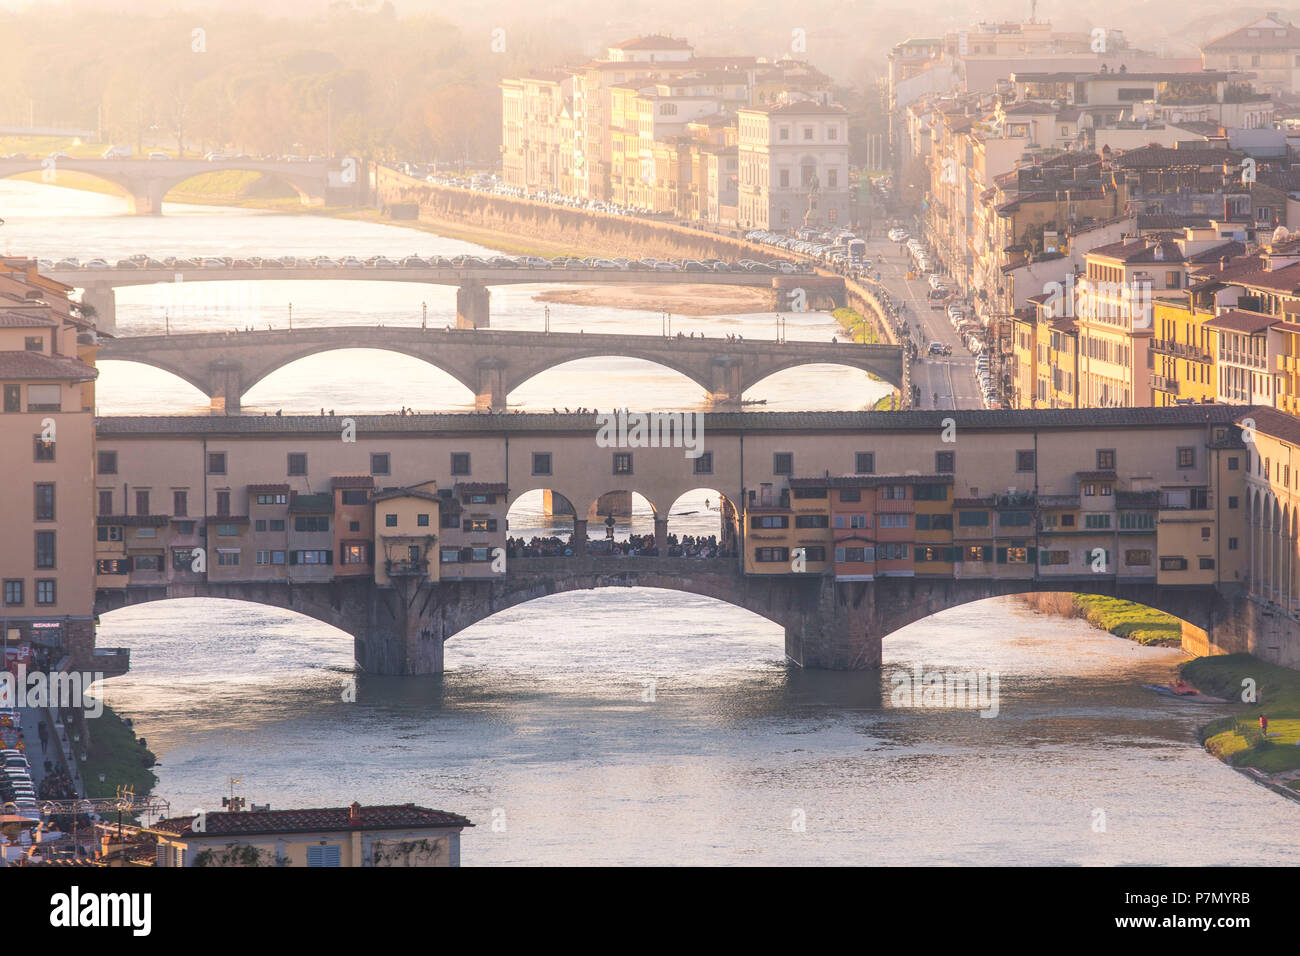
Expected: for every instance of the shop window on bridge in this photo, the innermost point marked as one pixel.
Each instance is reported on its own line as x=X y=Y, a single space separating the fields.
x=978 y=552
x=449 y=556
x=851 y=555
x=814 y=553
x=769 y=521
x=449 y=520
x=113 y=566
x=355 y=554
x=928 y=522
x=704 y=464
x=182 y=559
x=275 y=499
x=1096 y=522
x=1136 y=521
x=973 y=519
x=1173 y=564
x=147 y=562
x=849 y=495
x=1016 y=554
x=353 y=496
x=1137 y=557
x=1015 y=519
x=480 y=555
x=810 y=492
x=1053 y=557
x=933 y=492
x=311 y=557
x=892 y=552
x=931 y=554
x=1207 y=564
x=310 y=523
x=480 y=525
x=864 y=463
x=893 y=521
x=812 y=521
x=770 y=555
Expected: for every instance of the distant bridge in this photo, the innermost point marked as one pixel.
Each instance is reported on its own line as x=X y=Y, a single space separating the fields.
x=472 y=298
x=225 y=365
x=146 y=181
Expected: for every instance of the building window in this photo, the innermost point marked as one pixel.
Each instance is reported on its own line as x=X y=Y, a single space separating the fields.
x=14 y=593
x=44 y=449
x=541 y=463
x=945 y=462
x=759 y=522
x=1232 y=544
x=1186 y=457
x=1232 y=463
x=180 y=504
x=1207 y=564
x=353 y=496
x=850 y=494
x=354 y=554
x=771 y=555
x=864 y=463
x=216 y=463
x=1096 y=522
x=623 y=463
x=460 y=463
x=106 y=462
x=227 y=530
x=223 y=503
x=46 y=591
x=109 y=533
x=422 y=521
x=972 y=519
x=297 y=463
x=1105 y=459
x=783 y=463
x=227 y=558
x=1233 y=501
x=45 y=502
x=1025 y=460
x=311 y=523
x=13 y=398
x=390 y=521
x=44 y=398
x=812 y=521
x=704 y=464
x=1173 y=564
x=45 y=549
x=379 y=463
x=1140 y=556
x=141 y=501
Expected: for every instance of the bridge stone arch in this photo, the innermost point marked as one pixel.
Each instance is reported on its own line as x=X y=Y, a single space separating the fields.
x=522 y=376
x=848 y=361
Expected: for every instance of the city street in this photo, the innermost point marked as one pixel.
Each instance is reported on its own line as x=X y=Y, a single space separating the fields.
x=951 y=378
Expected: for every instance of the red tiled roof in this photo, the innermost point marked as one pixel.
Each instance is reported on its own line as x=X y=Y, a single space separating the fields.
x=268 y=488
x=328 y=819
x=352 y=481
x=1239 y=320
x=1274 y=423
x=35 y=365
x=1266 y=30
x=483 y=487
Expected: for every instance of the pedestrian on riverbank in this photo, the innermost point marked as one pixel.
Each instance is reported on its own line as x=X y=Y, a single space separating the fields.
x=1263 y=724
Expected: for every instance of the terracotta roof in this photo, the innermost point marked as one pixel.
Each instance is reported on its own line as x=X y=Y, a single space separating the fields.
x=1274 y=424
x=268 y=488
x=133 y=521
x=1238 y=320
x=658 y=42
x=1270 y=34
x=389 y=493
x=34 y=365
x=1155 y=157
x=352 y=481
x=329 y=819
x=26 y=319
x=1096 y=475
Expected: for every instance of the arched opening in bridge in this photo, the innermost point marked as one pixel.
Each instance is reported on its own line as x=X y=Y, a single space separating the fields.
x=234 y=185
x=132 y=388
x=541 y=524
x=642 y=633
x=606 y=382
x=819 y=387
x=702 y=522
x=624 y=521
x=235 y=651
x=357 y=380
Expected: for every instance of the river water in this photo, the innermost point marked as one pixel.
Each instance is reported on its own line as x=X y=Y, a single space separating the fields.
x=637 y=726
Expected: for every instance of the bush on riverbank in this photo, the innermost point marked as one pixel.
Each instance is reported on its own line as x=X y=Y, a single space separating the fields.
x=115 y=752
x=857 y=325
x=1236 y=739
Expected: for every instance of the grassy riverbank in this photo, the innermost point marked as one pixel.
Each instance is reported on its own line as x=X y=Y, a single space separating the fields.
x=1237 y=739
x=115 y=752
x=857 y=325
x=1136 y=622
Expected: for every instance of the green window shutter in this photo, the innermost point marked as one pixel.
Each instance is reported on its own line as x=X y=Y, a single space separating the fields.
x=293 y=557
x=1042 y=556
x=1002 y=555
x=918 y=554
x=1032 y=554
x=954 y=555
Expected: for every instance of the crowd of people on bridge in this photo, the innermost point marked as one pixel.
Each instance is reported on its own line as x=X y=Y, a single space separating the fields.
x=637 y=545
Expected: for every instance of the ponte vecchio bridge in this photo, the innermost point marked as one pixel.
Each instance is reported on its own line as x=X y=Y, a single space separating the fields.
x=1164 y=512
x=225 y=365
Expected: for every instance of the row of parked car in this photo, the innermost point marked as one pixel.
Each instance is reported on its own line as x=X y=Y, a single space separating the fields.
x=774 y=267
x=494 y=184
x=819 y=246
x=16 y=785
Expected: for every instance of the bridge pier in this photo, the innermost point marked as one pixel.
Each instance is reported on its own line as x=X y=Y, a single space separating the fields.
x=146 y=201
x=841 y=631
x=726 y=376
x=403 y=635
x=472 y=306
x=578 y=542
x=103 y=299
x=226 y=380
x=491 y=389
x=661 y=535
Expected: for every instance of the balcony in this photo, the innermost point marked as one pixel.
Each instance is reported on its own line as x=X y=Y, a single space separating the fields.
x=1179 y=350
x=400 y=569
x=1163 y=384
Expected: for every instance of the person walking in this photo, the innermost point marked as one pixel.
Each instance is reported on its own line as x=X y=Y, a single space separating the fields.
x=1263 y=724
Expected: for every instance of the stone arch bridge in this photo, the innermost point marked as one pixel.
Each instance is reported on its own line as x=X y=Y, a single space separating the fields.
x=828 y=625
x=146 y=181
x=224 y=365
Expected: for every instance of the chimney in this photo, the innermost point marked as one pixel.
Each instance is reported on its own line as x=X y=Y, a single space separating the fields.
x=354 y=817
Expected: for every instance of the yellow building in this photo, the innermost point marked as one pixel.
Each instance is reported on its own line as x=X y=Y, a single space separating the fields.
x=1024 y=351
x=1063 y=363
x=1183 y=348
x=379 y=836
x=406 y=532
